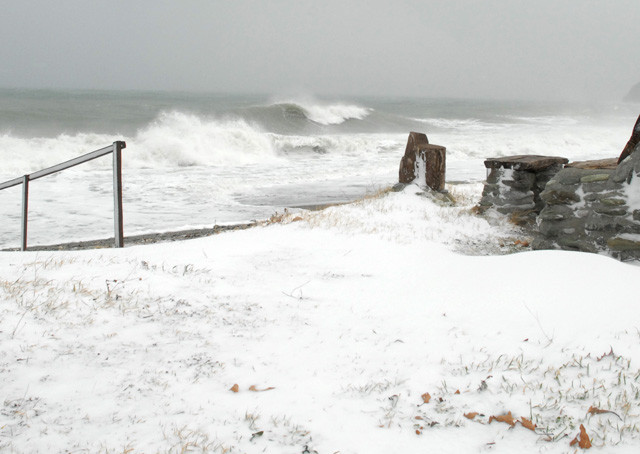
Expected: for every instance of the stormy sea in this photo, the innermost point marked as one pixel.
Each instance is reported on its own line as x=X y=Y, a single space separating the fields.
x=194 y=160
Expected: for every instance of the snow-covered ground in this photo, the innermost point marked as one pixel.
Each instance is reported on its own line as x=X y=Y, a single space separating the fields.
x=373 y=327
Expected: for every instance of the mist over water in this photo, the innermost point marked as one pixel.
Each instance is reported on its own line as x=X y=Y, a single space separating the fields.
x=195 y=160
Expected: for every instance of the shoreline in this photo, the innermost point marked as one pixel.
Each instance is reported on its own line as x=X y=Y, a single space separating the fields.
x=137 y=240
x=174 y=235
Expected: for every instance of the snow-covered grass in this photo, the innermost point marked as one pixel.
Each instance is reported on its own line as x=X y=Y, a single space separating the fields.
x=337 y=329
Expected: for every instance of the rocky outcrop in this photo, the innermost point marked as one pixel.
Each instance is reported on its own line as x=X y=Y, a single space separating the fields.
x=424 y=162
x=633 y=141
x=593 y=210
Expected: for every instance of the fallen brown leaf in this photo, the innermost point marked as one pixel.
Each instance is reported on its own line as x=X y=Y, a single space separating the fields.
x=457 y=391
x=256 y=390
x=596 y=411
x=471 y=415
x=582 y=439
x=585 y=442
x=508 y=419
x=527 y=424
x=426 y=397
x=235 y=388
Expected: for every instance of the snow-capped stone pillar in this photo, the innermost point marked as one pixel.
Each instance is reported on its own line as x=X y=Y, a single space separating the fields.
x=423 y=161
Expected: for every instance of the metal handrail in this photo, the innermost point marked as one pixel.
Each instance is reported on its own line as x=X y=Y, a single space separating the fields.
x=116 y=148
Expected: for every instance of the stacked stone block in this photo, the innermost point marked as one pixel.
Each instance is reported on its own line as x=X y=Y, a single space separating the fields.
x=514 y=184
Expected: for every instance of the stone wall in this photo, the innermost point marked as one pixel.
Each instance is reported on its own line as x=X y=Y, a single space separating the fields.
x=593 y=210
x=514 y=184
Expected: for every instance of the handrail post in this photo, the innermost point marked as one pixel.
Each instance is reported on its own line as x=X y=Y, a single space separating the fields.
x=115 y=148
x=117 y=193
x=25 y=210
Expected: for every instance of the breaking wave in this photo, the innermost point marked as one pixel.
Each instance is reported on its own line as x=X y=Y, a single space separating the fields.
x=320 y=113
x=174 y=139
x=177 y=139
x=243 y=137
x=185 y=140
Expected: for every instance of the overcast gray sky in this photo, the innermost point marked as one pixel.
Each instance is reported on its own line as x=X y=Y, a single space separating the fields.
x=577 y=49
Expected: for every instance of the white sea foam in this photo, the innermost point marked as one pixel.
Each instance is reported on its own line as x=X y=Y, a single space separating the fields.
x=573 y=143
x=351 y=144
x=469 y=124
x=555 y=120
x=26 y=155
